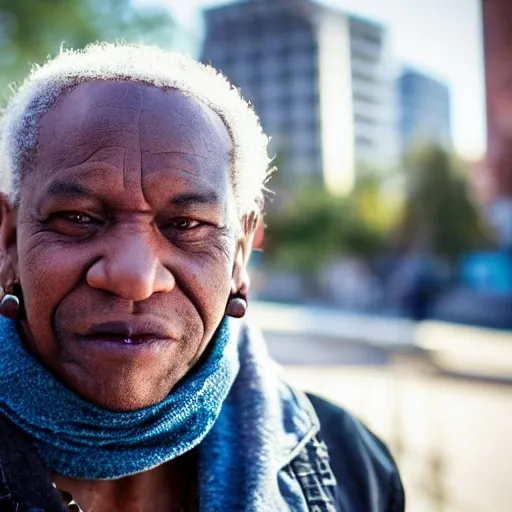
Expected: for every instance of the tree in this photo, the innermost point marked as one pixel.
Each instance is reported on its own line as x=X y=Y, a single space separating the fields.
x=30 y=30
x=378 y=194
x=439 y=216
x=315 y=227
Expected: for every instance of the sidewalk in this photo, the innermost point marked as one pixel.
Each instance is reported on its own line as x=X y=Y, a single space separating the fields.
x=311 y=335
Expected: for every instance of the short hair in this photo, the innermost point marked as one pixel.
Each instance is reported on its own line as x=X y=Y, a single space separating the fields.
x=250 y=167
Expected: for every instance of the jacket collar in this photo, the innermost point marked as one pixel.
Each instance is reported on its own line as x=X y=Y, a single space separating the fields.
x=262 y=426
x=288 y=417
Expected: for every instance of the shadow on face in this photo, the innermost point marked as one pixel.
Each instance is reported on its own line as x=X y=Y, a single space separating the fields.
x=126 y=240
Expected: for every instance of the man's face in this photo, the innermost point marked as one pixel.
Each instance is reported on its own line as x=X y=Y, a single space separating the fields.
x=125 y=240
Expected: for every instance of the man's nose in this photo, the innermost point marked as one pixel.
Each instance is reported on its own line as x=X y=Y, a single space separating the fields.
x=131 y=268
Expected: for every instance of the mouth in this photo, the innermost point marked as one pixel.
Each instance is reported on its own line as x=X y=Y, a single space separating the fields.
x=127 y=333
x=126 y=340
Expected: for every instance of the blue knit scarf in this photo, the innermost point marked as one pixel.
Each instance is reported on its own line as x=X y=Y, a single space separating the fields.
x=247 y=421
x=78 y=439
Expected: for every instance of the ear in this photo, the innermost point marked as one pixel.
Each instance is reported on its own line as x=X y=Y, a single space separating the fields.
x=240 y=282
x=8 y=249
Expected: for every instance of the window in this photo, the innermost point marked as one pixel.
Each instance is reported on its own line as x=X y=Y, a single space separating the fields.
x=363 y=141
x=363 y=77
x=361 y=118
x=365 y=98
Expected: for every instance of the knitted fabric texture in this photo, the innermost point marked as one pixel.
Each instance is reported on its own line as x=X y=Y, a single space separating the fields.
x=262 y=426
x=78 y=439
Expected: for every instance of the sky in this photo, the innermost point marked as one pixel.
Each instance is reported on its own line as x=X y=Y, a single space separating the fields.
x=440 y=37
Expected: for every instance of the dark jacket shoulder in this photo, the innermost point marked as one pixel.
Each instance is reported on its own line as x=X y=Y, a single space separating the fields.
x=367 y=476
x=25 y=483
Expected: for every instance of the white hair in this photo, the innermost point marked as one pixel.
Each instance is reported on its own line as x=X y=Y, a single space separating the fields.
x=145 y=64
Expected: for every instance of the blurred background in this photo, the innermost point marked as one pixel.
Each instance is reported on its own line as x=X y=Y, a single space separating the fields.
x=383 y=275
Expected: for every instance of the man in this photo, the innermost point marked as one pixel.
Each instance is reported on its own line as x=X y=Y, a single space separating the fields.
x=133 y=183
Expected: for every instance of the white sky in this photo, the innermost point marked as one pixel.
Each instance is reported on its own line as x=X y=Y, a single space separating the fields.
x=440 y=37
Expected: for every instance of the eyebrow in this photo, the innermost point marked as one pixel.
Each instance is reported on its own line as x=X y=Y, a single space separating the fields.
x=71 y=189
x=208 y=198
x=67 y=189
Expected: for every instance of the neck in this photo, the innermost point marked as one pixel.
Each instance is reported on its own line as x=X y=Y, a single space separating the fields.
x=169 y=487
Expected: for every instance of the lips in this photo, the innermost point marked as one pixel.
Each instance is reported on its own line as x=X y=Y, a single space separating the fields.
x=127 y=332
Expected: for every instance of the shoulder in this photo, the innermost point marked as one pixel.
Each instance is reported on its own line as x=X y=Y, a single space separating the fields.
x=24 y=482
x=367 y=476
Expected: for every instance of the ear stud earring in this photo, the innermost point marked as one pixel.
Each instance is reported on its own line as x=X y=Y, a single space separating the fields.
x=10 y=304
x=237 y=306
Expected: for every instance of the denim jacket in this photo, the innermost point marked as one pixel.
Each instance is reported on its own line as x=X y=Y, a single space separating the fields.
x=340 y=468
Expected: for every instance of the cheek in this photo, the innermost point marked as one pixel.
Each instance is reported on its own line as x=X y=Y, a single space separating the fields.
x=207 y=285
x=207 y=282
x=48 y=272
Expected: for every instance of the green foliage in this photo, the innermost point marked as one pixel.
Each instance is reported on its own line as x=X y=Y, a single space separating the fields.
x=307 y=228
x=30 y=30
x=439 y=215
x=376 y=206
x=315 y=227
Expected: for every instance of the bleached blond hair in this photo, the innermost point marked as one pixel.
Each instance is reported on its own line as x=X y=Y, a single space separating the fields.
x=150 y=65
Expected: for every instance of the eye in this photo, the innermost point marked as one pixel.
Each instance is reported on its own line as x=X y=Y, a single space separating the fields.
x=184 y=224
x=77 y=217
x=74 y=223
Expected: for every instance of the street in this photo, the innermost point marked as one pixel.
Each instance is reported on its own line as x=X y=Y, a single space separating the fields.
x=449 y=432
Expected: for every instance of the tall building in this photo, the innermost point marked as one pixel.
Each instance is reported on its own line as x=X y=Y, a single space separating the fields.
x=497 y=170
x=317 y=78
x=424 y=110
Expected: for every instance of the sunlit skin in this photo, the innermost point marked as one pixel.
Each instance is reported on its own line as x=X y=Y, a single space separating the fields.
x=126 y=222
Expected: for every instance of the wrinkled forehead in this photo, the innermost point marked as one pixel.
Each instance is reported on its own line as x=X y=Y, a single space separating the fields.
x=102 y=114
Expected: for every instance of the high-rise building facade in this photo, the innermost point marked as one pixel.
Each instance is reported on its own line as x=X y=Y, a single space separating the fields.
x=424 y=110
x=317 y=80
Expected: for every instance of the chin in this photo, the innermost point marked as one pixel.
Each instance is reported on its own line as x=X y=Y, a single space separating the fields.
x=119 y=378
x=120 y=391
x=124 y=402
